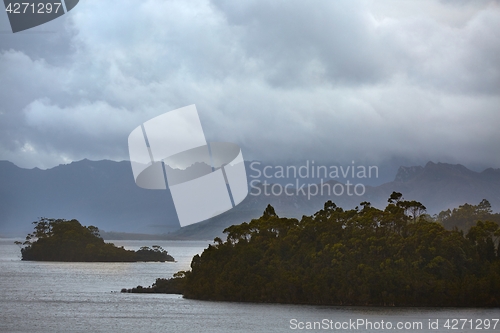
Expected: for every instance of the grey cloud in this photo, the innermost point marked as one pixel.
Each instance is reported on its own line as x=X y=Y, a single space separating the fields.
x=467 y=2
x=288 y=80
x=50 y=42
x=301 y=40
x=343 y=44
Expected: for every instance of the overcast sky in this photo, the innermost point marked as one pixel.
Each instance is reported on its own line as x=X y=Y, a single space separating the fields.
x=286 y=80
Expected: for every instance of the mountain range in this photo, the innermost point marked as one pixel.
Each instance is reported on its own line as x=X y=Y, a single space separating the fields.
x=104 y=194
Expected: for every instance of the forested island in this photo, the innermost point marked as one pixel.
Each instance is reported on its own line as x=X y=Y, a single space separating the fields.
x=68 y=240
x=398 y=256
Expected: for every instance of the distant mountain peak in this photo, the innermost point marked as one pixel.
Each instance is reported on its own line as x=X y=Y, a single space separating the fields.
x=103 y=193
x=408 y=173
x=9 y=163
x=446 y=166
x=491 y=171
x=491 y=175
x=434 y=171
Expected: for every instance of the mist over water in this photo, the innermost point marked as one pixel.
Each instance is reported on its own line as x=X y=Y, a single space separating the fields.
x=85 y=297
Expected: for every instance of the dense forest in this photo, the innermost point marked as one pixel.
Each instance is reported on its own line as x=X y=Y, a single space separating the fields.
x=398 y=256
x=68 y=240
x=465 y=216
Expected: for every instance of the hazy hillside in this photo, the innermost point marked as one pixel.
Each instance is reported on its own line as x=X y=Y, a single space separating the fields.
x=103 y=193
x=100 y=193
x=440 y=186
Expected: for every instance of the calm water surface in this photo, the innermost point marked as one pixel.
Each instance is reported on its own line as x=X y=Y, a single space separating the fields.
x=85 y=297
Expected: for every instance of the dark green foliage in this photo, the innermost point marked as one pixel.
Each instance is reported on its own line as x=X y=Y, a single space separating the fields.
x=392 y=257
x=63 y=240
x=466 y=215
x=174 y=285
x=156 y=253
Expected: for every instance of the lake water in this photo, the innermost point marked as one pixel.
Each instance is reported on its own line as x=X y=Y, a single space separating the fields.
x=85 y=297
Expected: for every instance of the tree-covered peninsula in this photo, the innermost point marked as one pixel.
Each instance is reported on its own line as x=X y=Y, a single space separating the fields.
x=398 y=256
x=68 y=240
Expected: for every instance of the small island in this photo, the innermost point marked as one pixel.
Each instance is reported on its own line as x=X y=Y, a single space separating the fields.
x=399 y=256
x=68 y=240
